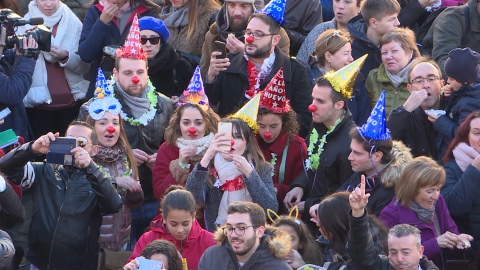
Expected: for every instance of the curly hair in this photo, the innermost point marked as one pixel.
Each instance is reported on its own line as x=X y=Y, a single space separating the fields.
x=289 y=119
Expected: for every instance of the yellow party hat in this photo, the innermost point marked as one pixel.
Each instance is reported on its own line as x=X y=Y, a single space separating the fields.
x=248 y=113
x=343 y=79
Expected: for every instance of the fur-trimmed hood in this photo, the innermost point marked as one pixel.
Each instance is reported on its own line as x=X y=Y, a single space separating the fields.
x=276 y=240
x=402 y=156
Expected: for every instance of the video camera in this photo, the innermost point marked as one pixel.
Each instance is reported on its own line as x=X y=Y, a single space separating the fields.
x=9 y=21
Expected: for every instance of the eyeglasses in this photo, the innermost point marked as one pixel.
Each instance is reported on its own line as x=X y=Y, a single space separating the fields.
x=256 y=35
x=238 y=230
x=429 y=79
x=153 y=40
x=81 y=141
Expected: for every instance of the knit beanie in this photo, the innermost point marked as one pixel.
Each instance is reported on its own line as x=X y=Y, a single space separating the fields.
x=155 y=25
x=463 y=65
x=257 y=4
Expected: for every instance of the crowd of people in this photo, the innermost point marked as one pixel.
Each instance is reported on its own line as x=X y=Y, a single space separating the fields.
x=241 y=134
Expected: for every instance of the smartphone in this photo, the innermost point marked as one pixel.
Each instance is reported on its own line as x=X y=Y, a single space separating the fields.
x=60 y=151
x=227 y=128
x=4 y=113
x=146 y=264
x=221 y=47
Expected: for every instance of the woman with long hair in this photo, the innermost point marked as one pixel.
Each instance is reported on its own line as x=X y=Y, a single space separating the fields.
x=462 y=168
x=418 y=202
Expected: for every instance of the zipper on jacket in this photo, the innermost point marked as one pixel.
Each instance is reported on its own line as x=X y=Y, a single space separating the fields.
x=55 y=233
x=181 y=248
x=395 y=100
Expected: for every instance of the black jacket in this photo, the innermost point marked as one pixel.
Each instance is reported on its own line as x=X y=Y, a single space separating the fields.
x=169 y=73
x=334 y=168
x=362 y=250
x=361 y=45
x=230 y=86
x=461 y=196
x=69 y=204
x=12 y=211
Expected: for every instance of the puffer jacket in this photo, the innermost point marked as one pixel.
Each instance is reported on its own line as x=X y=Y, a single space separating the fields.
x=275 y=245
x=362 y=250
x=219 y=31
x=66 y=224
x=378 y=81
x=384 y=188
x=192 y=248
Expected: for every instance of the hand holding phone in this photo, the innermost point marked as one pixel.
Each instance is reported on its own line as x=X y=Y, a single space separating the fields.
x=227 y=129
x=4 y=113
x=146 y=264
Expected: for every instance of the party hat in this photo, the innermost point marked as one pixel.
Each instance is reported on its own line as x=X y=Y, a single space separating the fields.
x=376 y=126
x=273 y=96
x=132 y=48
x=248 y=113
x=275 y=9
x=195 y=94
x=103 y=99
x=343 y=79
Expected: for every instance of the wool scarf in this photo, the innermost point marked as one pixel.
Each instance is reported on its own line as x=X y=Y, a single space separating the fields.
x=137 y=105
x=202 y=144
x=425 y=215
x=173 y=17
x=464 y=155
x=400 y=77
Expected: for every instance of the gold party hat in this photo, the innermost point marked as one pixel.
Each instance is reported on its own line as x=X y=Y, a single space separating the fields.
x=248 y=113
x=343 y=79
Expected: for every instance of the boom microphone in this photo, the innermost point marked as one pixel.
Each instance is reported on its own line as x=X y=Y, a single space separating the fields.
x=31 y=21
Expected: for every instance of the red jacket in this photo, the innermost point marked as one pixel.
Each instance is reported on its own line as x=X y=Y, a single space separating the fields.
x=192 y=248
x=162 y=178
x=296 y=154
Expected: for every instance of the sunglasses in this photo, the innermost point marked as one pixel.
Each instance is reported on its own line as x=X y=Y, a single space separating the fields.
x=153 y=40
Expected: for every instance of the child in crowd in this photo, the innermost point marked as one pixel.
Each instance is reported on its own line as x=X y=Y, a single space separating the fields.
x=159 y=250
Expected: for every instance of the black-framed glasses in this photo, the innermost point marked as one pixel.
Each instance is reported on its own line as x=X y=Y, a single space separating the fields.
x=238 y=230
x=81 y=140
x=153 y=40
x=256 y=35
x=429 y=79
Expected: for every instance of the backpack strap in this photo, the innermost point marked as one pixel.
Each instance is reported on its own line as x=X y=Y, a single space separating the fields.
x=466 y=30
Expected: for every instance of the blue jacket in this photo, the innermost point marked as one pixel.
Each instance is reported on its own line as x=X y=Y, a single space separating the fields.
x=15 y=81
x=96 y=35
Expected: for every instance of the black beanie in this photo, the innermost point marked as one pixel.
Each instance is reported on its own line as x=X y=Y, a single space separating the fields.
x=462 y=65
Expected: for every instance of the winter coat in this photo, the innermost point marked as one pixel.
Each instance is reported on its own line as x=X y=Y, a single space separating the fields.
x=362 y=250
x=378 y=81
x=412 y=14
x=414 y=130
x=334 y=168
x=361 y=45
x=275 y=245
x=96 y=35
x=461 y=196
x=384 y=189
x=179 y=35
x=230 y=86
x=15 y=81
x=308 y=45
x=447 y=30
x=192 y=248
x=358 y=104
x=169 y=73
x=66 y=224
x=146 y=138
x=259 y=186
x=460 y=104
x=216 y=33
x=394 y=214
x=296 y=154
x=12 y=211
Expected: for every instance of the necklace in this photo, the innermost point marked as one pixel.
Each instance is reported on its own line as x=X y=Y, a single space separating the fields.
x=313 y=159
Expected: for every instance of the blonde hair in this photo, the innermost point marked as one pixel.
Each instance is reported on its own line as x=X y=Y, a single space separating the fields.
x=330 y=41
x=405 y=37
x=419 y=173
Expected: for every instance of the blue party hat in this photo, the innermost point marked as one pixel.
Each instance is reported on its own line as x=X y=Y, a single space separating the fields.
x=276 y=10
x=376 y=126
x=195 y=94
x=103 y=99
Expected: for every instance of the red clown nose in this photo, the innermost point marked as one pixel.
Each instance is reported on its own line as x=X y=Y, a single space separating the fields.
x=267 y=135
x=312 y=108
x=111 y=129
x=232 y=142
x=192 y=130
x=135 y=79
x=249 y=39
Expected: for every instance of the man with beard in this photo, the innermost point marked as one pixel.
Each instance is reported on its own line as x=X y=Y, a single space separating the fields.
x=231 y=22
x=409 y=123
x=234 y=80
x=246 y=242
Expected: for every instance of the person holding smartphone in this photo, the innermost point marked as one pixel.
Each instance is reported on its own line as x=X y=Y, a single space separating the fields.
x=240 y=173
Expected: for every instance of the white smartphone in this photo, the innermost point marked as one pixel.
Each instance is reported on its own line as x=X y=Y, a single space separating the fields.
x=227 y=128
x=4 y=113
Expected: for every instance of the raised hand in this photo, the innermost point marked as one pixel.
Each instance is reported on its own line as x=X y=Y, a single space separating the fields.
x=108 y=12
x=216 y=65
x=293 y=197
x=242 y=165
x=415 y=99
x=234 y=44
x=41 y=145
x=186 y=153
x=218 y=140
x=358 y=199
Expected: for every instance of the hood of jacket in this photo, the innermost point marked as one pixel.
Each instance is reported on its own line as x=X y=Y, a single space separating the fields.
x=401 y=157
x=276 y=241
x=158 y=226
x=358 y=30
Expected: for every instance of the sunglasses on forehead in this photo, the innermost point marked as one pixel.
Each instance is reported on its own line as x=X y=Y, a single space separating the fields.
x=153 y=40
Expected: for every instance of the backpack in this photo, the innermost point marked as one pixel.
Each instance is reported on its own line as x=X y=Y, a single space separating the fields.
x=427 y=26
